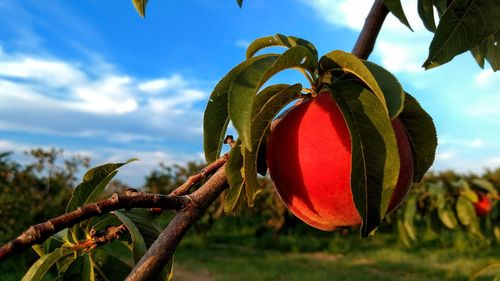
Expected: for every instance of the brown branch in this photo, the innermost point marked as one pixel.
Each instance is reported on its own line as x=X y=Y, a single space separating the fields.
x=163 y=248
x=131 y=199
x=192 y=180
x=373 y=23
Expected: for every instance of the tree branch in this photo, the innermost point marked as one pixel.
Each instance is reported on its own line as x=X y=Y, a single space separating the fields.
x=373 y=23
x=163 y=248
x=208 y=170
x=131 y=199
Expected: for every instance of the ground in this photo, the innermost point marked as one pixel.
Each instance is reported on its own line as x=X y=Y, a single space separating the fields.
x=361 y=260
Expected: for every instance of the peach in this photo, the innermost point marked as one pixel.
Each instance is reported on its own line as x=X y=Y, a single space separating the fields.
x=309 y=159
x=483 y=206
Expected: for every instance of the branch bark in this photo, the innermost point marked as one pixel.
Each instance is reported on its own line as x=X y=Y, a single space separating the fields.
x=131 y=199
x=40 y=232
x=373 y=23
x=163 y=248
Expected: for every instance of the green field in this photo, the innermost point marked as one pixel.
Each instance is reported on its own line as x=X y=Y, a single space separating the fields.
x=311 y=256
x=345 y=258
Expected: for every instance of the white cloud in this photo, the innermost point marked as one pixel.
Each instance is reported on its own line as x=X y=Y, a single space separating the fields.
x=469 y=143
x=485 y=78
x=344 y=13
x=445 y=155
x=52 y=96
x=352 y=14
x=398 y=49
x=163 y=84
x=397 y=57
x=51 y=72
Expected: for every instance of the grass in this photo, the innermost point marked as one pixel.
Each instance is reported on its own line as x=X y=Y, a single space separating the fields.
x=241 y=257
x=232 y=252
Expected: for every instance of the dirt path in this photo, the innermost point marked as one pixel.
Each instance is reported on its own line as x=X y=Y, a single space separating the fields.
x=184 y=274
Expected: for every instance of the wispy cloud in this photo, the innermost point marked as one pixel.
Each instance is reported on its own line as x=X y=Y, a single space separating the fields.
x=398 y=49
x=52 y=95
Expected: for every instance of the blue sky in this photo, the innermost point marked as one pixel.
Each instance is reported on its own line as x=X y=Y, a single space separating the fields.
x=93 y=78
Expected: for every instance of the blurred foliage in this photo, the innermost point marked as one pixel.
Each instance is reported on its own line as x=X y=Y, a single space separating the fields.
x=432 y=216
x=447 y=205
x=440 y=209
x=36 y=191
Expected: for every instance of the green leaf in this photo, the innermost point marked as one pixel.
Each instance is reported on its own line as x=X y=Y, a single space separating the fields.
x=465 y=190
x=167 y=274
x=216 y=116
x=55 y=241
x=441 y=6
x=403 y=235
x=492 y=267
x=392 y=90
x=242 y=93
x=426 y=13
x=446 y=215
x=234 y=177
x=264 y=96
x=397 y=10
x=493 y=51
x=258 y=103
x=409 y=216
x=471 y=195
x=138 y=244
x=146 y=223
x=280 y=40
x=496 y=233
x=93 y=184
x=339 y=60
x=485 y=185
x=375 y=158
x=240 y=3
x=488 y=50
x=109 y=267
x=249 y=81
x=80 y=270
x=422 y=135
x=479 y=53
x=464 y=25
x=140 y=6
x=465 y=211
x=38 y=270
x=260 y=126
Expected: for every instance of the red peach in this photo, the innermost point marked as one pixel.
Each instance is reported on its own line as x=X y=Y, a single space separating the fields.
x=483 y=206
x=309 y=159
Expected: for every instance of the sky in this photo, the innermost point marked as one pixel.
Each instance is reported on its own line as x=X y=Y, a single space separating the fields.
x=93 y=78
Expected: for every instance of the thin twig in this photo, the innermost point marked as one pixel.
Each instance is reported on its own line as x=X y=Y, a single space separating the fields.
x=97 y=238
x=207 y=171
